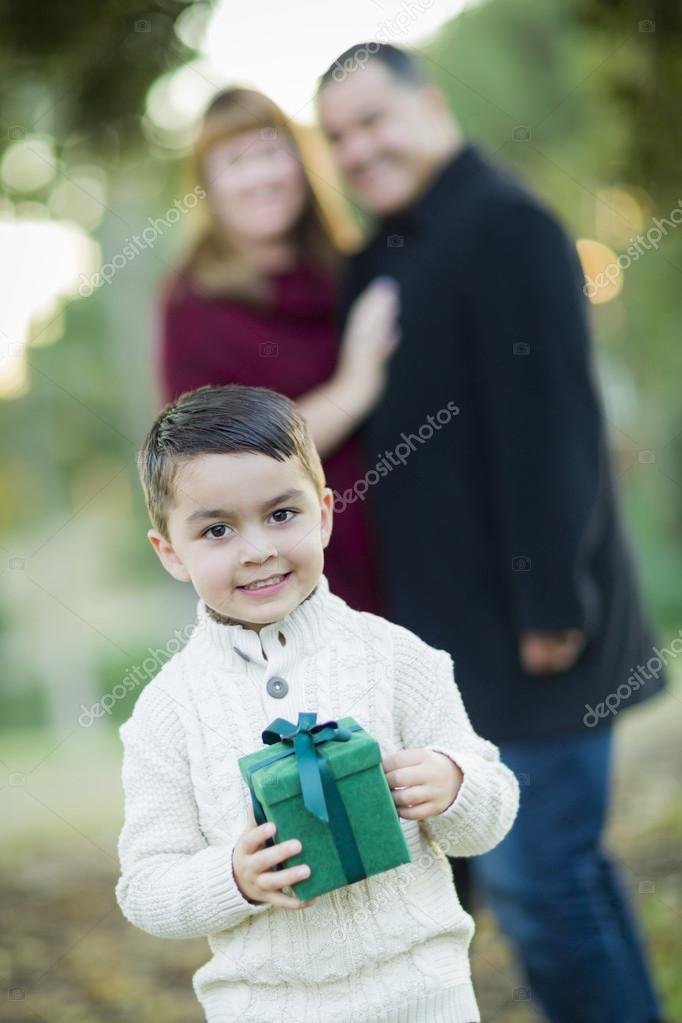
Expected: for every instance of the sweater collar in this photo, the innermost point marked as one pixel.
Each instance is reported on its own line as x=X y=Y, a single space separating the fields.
x=303 y=630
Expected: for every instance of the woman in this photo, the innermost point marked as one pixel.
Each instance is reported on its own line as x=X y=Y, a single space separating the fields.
x=256 y=301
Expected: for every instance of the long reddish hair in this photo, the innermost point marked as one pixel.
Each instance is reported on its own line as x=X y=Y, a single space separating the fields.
x=215 y=266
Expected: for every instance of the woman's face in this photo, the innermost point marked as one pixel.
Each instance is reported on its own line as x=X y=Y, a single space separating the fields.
x=255 y=184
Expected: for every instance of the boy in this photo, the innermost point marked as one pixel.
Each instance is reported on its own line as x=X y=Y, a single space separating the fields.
x=237 y=498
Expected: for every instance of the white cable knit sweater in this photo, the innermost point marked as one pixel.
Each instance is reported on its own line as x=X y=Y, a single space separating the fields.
x=392 y=948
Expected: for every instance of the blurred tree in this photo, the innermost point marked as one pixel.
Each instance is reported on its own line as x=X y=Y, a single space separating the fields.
x=648 y=87
x=79 y=68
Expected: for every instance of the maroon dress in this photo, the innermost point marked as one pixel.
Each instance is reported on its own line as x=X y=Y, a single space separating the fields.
x=290 y=347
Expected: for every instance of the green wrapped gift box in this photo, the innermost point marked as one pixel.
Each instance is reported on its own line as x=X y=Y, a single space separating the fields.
x=325 y=785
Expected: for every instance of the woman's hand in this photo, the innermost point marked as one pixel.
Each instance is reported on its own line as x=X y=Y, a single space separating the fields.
x=336 y=408
x=253 y=866
x=423 y=782
x=369 y=340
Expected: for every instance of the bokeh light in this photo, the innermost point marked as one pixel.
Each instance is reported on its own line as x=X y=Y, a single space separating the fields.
x=603 y=275
x=29 y=164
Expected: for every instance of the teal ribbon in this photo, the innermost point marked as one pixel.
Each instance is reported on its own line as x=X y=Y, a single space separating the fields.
x=318 y=786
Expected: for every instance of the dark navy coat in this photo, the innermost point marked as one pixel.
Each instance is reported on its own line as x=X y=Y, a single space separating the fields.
x=489 y=473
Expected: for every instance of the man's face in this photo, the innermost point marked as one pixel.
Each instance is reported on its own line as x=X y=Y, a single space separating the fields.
x=386 y=136
x=243 y=518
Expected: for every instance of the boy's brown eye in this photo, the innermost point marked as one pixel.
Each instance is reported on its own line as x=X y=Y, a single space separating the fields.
x=210 y=531
x=283 y=511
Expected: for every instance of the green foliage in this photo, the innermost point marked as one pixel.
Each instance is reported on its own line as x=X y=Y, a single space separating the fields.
x=83 y=69
x=118 y=673
x=23 y=706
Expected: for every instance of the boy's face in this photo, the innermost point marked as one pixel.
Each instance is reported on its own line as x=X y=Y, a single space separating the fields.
x=242 y=518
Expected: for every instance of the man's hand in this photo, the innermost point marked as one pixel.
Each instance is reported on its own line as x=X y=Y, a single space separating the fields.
x=423 y=783
x=544 y=653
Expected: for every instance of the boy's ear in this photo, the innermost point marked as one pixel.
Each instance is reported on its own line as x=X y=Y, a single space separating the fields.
x=167 y=556
x=327 y=515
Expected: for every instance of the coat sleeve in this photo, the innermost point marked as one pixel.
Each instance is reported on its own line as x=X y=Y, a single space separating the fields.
x=540 y=416
x=173 y=884
x=430 y=714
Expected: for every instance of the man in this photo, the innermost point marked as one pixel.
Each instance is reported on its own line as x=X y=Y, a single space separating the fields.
x=491 y=456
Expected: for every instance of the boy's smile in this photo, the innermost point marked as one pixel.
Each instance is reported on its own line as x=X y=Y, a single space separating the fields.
x=263 y=586
x=249 y=532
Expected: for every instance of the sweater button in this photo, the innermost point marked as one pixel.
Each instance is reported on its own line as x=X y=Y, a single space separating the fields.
x=277 y=687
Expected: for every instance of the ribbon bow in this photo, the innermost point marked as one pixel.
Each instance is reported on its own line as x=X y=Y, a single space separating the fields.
x=304 y=737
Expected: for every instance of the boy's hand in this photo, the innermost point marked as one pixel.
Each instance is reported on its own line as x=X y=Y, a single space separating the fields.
x=253 y=866
x=423 y=782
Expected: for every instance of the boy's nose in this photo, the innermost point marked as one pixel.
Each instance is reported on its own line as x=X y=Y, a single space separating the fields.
x=255 y=553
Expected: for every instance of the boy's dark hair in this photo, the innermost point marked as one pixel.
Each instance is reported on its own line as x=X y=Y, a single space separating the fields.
x=221 y=420
x=403 y=65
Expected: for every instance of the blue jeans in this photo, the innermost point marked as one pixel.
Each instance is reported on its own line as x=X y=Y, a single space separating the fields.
x=556 y=893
